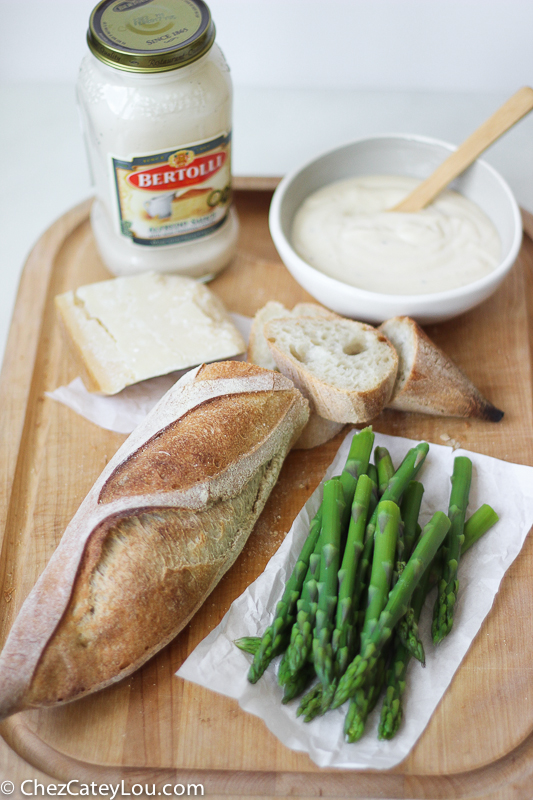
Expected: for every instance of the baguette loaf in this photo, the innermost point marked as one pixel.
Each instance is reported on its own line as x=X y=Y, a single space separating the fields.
x=165 y=520
x=346 y=369
x=429 y=382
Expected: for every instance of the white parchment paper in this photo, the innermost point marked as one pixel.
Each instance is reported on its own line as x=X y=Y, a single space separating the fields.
x=122 y=412
x=219 y=665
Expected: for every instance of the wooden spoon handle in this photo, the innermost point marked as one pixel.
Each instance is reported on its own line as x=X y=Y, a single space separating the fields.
x=504 y=118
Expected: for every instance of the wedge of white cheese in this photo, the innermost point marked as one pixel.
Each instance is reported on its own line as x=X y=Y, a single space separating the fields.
x=126 y=330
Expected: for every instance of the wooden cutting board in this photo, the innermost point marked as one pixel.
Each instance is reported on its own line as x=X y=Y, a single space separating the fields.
x=156 y=727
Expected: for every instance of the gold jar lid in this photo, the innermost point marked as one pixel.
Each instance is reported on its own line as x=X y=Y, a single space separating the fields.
x=150 y=35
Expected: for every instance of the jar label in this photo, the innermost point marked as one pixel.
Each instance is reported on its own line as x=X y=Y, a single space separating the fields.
x=176 y=195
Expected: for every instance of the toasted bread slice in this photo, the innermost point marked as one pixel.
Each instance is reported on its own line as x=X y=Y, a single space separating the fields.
x=428 y=381
x=346 y=369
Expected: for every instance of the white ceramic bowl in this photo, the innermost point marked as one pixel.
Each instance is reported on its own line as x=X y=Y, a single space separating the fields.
x=414 y=156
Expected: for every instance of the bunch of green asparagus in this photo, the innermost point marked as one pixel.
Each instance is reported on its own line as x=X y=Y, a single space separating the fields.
x=350 y=609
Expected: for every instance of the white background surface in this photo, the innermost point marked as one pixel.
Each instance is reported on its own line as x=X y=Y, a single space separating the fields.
x=308 y=75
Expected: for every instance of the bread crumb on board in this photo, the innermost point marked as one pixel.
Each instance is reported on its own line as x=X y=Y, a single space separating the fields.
x=8 y=594
x=449 y=442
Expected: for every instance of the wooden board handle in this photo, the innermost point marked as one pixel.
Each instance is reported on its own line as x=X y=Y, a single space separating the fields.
x=520 y=104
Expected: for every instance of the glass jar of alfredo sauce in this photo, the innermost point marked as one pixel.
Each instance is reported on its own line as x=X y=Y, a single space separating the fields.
x=155 y=97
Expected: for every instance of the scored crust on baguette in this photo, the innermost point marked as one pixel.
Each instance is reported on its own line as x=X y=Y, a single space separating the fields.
x=345 y=368
x=428 y=381
x=140 y=557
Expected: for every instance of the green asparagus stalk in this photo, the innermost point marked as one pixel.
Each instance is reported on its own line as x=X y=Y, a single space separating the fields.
x=399 y=482
x=385 y=545
x=407 y=628
x=374 y=498
x=359 y=456
x=363 y=702
x=385 y=537
x=388 y=520
x=409 y=636
x=284 y=672
x=423 y=554
x=400 y=550
x=342 y=640
x=296 y=684
x=300 y=647
x=333 y=505
x=274 y=638
x=476 y=526
x=392 y=708
x=311 y=703
x=249 y=644
x=301 y=641
x=363 y=567
x=293 y=685
x=449 y=584
x=301 y=636
x=384 y=466
x=356 y=465
x=302 y=631
x=479 y=523
x=410 y=509
x=361 y=579
x=406 y=472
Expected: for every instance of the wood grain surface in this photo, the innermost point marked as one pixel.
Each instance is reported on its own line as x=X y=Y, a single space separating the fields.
x=156 y=727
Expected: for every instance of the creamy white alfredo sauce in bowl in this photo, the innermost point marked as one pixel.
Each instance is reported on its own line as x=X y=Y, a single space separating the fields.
x=330 y=224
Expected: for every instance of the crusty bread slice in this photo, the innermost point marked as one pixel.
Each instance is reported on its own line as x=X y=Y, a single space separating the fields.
x=318 y=430
x=313 y=310
x=346 y=369
x=258 y=351
x=428 y=381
